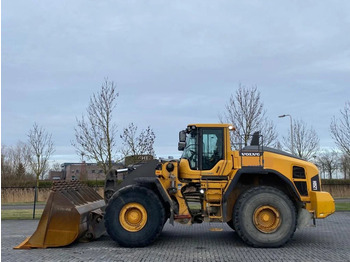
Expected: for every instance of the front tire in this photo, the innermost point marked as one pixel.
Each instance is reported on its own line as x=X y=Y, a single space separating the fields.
x=265 y=217
x=134 y=216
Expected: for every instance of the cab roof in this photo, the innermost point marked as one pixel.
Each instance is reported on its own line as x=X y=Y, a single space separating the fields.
x=211 y=125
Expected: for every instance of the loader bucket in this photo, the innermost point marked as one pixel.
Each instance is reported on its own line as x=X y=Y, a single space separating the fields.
x=73 y=211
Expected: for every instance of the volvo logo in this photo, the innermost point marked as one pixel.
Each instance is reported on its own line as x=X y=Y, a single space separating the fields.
x=250 y=154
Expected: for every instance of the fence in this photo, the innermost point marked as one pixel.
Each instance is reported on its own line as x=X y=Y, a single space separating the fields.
x=25 y=194
x=337 y=190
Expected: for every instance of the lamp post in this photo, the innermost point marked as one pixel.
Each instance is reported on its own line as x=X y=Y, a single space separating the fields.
x=36 y=186
x=83 y=175
x=291 y=131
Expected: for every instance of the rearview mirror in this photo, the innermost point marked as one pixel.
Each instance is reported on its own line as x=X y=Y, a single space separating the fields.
x=181 y=146
x=182 y=136
x=182 y=140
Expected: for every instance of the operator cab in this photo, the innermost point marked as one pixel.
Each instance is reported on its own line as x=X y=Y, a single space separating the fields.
x=203 y=149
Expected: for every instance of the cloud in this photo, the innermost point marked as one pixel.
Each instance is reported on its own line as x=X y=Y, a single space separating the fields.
x=173 y=62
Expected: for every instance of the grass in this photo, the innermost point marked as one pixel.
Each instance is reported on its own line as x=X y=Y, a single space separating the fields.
x=20 y=214
x=345 y=206
x=23 y=203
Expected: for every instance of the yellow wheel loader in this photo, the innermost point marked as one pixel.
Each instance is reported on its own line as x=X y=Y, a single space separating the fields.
x=262 y=193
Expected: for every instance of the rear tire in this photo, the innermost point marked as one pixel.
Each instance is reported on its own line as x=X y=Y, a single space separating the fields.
x=264 y=217
x=134 y=216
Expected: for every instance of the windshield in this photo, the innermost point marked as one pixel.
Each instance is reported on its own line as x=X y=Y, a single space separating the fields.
x=191 y=152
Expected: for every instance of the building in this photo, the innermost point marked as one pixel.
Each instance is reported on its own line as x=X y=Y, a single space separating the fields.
x=80 y=171
x=56 y=175
x=91 y=171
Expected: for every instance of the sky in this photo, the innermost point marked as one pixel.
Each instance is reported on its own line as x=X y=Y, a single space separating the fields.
x=174 y=63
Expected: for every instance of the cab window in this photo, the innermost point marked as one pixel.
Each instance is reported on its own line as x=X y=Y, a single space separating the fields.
x=212 y=147
x=191 y=150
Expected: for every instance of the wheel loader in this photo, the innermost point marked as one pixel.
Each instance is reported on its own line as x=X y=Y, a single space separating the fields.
x=262 y=193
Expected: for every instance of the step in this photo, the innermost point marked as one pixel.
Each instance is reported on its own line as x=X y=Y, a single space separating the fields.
x=214 y=205
x=182 y=217
x=216 y=217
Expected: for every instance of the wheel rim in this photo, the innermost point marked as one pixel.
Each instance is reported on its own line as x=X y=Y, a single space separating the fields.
x=266 y=219
x=133 y=217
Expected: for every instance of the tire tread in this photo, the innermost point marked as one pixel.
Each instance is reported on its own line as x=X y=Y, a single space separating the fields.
x=241 y=200
x=109 y=215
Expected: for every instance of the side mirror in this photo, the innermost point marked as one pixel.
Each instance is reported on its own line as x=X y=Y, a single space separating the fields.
x=182 y=136
x=181 y=146
x=182 y=140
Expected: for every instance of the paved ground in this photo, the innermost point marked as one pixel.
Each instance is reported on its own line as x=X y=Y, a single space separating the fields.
x=342 y=200
x=329 y=241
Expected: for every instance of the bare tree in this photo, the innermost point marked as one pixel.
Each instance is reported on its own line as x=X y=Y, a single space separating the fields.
x=305 y=140
x=15 y=169
x=134 y=144
x=6 y=167
x=55 y=166
x=245 y=111
x=345 y=165
x=95 y=134
x=327 y=162
x=17 y=155
x=41 y=148
x=340 y=129
x=20 y=154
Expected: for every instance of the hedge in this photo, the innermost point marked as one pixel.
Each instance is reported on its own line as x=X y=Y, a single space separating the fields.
x=335 y=181
x=48 y=184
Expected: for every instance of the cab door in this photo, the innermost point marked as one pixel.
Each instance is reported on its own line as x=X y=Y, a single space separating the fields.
x=204 y=154
x=211 y=152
